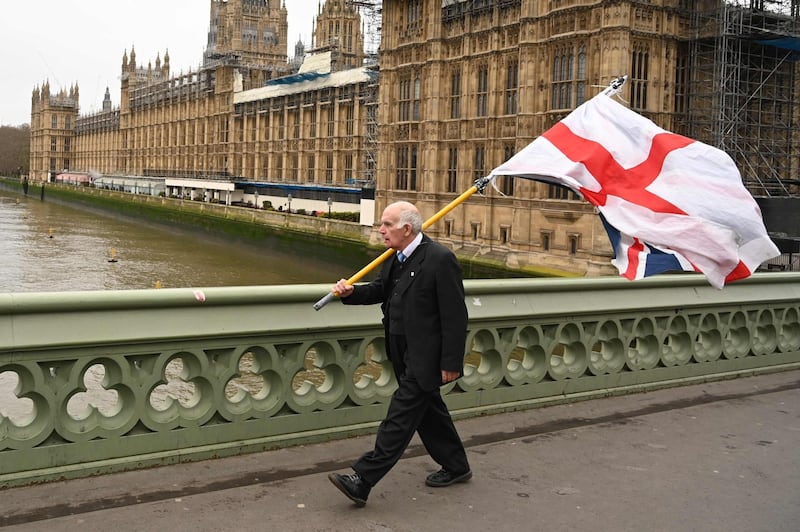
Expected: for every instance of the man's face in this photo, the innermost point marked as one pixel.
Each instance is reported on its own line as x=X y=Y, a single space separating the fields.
x=395 y=236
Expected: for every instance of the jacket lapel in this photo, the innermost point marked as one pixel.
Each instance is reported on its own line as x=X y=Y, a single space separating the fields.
x=412 y=266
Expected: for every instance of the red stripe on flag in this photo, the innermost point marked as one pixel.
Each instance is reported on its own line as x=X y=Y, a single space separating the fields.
x=615 y=180
x=739 y=272
x=633 y=259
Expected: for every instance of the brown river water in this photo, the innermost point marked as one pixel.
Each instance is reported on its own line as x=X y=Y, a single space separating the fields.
x=47 y=247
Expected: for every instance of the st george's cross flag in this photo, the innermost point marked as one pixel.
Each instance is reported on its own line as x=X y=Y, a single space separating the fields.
x=668 y=203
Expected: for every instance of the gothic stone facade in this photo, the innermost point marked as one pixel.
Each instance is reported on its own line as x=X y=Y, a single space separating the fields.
x=463 y=86
x=53 y=119
x=190 y=126
x=165 y=125
x=466 y=84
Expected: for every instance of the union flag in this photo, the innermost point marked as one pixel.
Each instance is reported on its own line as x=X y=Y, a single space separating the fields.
x=667 y=202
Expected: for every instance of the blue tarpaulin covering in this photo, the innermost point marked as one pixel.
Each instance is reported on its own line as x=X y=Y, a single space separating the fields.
x=296 y=78
x=787 y=43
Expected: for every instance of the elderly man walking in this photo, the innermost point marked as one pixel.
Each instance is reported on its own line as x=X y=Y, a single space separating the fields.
x=425 y=323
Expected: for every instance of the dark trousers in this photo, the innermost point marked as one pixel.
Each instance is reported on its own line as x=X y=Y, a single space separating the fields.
x=412 y=409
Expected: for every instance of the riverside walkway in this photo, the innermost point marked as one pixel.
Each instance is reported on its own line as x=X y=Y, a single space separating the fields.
x=717 y=456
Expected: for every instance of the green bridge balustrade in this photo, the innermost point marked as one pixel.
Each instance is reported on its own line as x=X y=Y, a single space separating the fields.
x=107 y=381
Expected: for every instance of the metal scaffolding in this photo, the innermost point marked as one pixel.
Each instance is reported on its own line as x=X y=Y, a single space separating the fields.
x=370 y=11
x=370 y=98
x=739 y=87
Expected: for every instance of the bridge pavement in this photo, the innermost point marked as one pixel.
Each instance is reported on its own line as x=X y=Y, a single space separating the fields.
x=720 y=456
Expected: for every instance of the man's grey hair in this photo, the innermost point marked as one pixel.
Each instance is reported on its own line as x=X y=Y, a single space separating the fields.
x=410 y=215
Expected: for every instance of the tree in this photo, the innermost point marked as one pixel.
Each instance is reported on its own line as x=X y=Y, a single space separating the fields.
x=15 y=143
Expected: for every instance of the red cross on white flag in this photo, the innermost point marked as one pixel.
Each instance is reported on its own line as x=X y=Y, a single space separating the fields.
x=668 y=202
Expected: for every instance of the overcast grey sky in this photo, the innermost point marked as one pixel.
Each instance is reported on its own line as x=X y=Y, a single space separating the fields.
x=82 y=41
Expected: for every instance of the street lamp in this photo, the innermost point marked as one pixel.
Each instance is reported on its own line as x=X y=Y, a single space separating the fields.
x=289 y=199
x=330 y=202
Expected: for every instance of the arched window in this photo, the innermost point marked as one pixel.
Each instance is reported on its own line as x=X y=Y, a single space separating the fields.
x=639 y=75
x=569 y=77
x=415 y=100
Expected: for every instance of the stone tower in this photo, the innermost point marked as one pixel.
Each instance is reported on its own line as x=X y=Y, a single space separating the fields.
x=299 y=53
x=252 y=31
x=338 y=26
x=107 y=100
x=134 y=75
x=53 y=118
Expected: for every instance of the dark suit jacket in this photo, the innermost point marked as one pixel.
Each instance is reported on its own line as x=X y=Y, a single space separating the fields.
x=434 y=313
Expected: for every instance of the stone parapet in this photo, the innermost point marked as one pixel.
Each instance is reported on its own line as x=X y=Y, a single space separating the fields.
x=94 y=382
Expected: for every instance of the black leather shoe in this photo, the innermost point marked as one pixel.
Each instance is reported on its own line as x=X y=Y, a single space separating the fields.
x=356 y=489
x=443 y=478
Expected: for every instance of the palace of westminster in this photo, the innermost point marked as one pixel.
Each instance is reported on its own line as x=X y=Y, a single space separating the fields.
x=455 y=88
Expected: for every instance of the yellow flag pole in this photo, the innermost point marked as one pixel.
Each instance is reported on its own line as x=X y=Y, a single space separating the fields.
x=479 y=186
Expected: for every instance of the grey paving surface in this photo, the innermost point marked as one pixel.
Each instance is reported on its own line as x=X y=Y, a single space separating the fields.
x=721 y=456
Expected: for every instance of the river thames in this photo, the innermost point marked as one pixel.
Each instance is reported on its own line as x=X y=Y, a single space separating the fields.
x=49 y=247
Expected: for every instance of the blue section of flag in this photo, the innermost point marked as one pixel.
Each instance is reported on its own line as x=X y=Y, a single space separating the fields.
x=656 y=260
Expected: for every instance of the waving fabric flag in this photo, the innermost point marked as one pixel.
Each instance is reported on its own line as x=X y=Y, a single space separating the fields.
x=667 y=202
